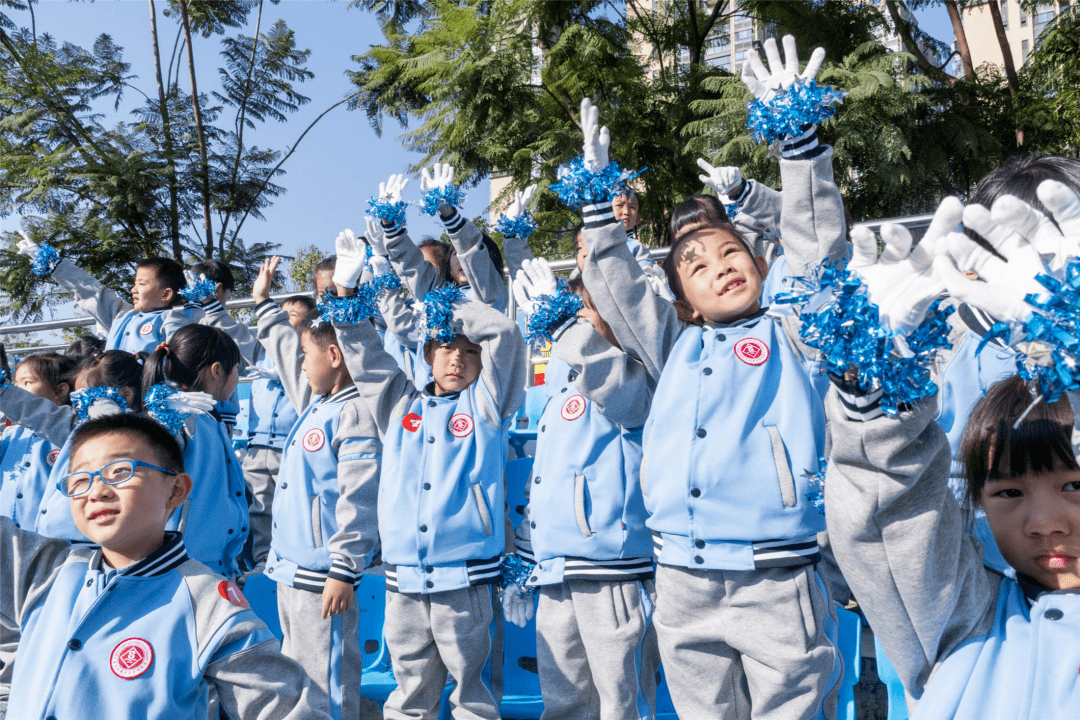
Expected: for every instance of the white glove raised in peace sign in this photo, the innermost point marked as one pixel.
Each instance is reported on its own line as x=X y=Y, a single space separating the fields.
x=520 y=206
x=393 y=188
x=597 y=139
x=441 y=176
x=764 y=83
x=351 y=258
x=534 y=279
x=27 y=246
x=724 y=180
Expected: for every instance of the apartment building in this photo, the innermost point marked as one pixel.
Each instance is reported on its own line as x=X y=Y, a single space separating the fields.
x=1022 y=29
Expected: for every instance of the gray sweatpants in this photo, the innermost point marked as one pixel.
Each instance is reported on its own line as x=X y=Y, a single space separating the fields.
x=430 y=635
x=328 y=650
x=748 y=644
x=261 y=465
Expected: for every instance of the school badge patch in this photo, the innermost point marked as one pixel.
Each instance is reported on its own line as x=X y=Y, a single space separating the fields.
x=51 y=457
x=131 y=658
x=314 y=439
x=146 y=328
x=752 y=351
x=411 y=422
x=460 y=425
x=574 y=407
x=230 y=592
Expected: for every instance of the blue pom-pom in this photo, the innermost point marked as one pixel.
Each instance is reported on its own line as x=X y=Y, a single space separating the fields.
x=156 y=405
x=732 y=210
x=839 y=320
x=578 y=186
x=791 y=110
x=199 y=291
x=81 y=400
x=350 y=310
x=551 y=311
x=5 y=378
x=451 y=195
x=437 y=319
x=515 y=570
x=521 y=226
x=816 y=496
x=392 y=213
x=45 y=261
x=386 y=283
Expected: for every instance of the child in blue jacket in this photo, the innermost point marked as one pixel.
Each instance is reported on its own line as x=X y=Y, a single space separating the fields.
x=441 y=493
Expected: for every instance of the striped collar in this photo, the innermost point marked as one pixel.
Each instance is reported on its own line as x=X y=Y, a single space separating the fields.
x=346 y=393
x=171 y=555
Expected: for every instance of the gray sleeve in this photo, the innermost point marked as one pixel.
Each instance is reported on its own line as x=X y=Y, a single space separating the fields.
x=516 y=251
x=103 y=304
x=645 y=325
x=359 y=455
x=409 y=264
x=763 y=204
x=177 y=317
x=43 y=417
x=248 y=341
x=28 y=565
x=898 y=535
x=485 y=279
x=384 y=387
x=400 y=319
x=282 y=345
x=812 y=227
x=502 y=355
x=614 y=381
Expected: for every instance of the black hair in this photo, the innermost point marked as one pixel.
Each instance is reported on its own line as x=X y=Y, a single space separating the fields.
x=694 y=213
x=51 y=369
x=84 y=347
x=166 y=450
x=321 y=333
x=114 y=368
x=991 y=447
x=1020 y=177
x=306 y=300
x=442 y=259
x=189 y=352
x=493 y=252
x=215 y=271
x=169 y=273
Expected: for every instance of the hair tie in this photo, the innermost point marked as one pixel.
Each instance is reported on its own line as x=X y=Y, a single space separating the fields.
x=163 y=345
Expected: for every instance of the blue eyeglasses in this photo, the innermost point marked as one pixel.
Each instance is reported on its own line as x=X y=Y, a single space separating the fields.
x=114 y=473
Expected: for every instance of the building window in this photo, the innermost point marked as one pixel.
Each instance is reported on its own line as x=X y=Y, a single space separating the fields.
x=740 y=56
x=744 y=35
x=1023 y=18
x=1025 y=47
x=1042 y=18
x=1005 y=14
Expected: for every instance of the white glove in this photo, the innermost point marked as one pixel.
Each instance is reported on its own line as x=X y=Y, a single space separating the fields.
x=597 y=139
x=1056 y=243
x=27 y=246
x=376 y=238
x=517 y=606
x=724 y=180
x=380 y=266
x=902 y=282
x=441 y=176
x=393 y=188
x=190 y=403
x=351 y=257
x=254 y=372
x=534 y=279
x=102 y=407
x=657 y=280
x=764 y=83
x=520 y=206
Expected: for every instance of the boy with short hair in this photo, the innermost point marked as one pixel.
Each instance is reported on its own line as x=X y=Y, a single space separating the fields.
x=133 y=628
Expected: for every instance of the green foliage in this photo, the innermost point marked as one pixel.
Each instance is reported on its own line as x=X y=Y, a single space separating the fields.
x=1050 y=99
x=302 y=268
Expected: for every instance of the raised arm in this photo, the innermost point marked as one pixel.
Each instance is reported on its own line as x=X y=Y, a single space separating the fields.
x=516 y=225
x=103 y=304
x=384 y=387
x=503 y=355
x=43 y=417
x=280 y=342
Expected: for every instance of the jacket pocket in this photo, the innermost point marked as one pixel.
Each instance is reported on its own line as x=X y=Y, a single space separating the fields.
x=316 y=522
x=580 y=509
x=482 y=508
x=783 y=468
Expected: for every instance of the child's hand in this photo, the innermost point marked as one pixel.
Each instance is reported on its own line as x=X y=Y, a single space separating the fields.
x=534 y=279
x=351 y=257
x=188 y=402
x=27 y=246
x=393 y=188
x=597 y=139
x=376 y=238
x=260 y=291
x=764 y=83
x=520 y=206
x=726 y=181
x=337 y=597
x=517 y=606
x=441 y=176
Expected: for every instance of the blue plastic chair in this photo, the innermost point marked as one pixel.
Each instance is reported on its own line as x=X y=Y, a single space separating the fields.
x=887 y=674
x=261 y=592
x=850 y=644
x=377 y=680
x=517 y=475
x=665 y=708
x=528 y=419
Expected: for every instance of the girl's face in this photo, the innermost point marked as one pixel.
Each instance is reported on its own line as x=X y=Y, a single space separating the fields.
x=218 y=383
x=581 y=253
x=1035 y=519
x=456 y=273
x=721 y=280
x=26 y=379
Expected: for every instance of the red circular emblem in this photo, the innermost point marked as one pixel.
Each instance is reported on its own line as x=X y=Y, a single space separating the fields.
x=314 y=439
x=460 y=425
x=131 y=658
x=411 y=422
x=230 y=592
x=573 y=408
x=146 y=328
x=51 y=457
x=752 y=351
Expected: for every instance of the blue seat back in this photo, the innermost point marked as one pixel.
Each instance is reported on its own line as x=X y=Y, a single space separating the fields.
x=517 y=475
x=849 y=643
x=887 y=674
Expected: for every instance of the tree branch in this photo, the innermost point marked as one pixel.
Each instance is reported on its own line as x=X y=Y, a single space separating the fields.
x=565 y=104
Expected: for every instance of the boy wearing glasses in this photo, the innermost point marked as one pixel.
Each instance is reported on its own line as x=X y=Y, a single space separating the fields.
x=133 y=628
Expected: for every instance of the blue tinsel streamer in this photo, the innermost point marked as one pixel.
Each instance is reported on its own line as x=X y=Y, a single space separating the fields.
x=521 y=226
x=839 y=320
x=81 y=400
x=514 y=570
x=388 y=212
x=578 y=186
x=816 y=496
x=350 y=310
x=199 y=291
x=156 y=405
x=5 y=378
x=451 y=195
x=551 y=311
x=45 y=261
x=791 y=110
x=732 y=210
x=438 y=314
x=386 y=283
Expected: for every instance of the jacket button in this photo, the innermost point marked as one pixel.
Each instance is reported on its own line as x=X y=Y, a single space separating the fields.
x=699 y=543
x=18 y=496
x=427 y=486
x=275 y=414
x=230 y=531
x=701 y=432
x=707 y=371
x=532 y=524
x=543 y=428
x=26 y=464
x=89 y=583
x=271 y=570
x=532 y=579
x=43 y=511
x=698 y=559
x=238 y=493
x=430 y=439
x=429 y=569
x=721 y=337
x=284 y=485
x=1053 y=614
x=429 y=584
x=563 y=390
x=431 y=403
x=537 y=481
x=273 y=435
x=695 y=492
x=74 y=644
x=423 y=528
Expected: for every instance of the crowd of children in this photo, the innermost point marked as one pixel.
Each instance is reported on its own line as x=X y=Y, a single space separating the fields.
x=711 y=477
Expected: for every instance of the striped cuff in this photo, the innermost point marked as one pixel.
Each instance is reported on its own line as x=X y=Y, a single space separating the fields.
x=801 y=144
x=341 y=570
x=453 y=222
x=744 y=192
x=598 y=215
x=858 y=406
x=557 y=332
x=266 y=306
x=391 y=230
x=212 y=305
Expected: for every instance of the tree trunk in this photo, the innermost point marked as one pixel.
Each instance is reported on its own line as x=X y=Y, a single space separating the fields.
x=166 y=131
x=961 y=38
x=204 y=164
x=1007 y=59
x=903 y=29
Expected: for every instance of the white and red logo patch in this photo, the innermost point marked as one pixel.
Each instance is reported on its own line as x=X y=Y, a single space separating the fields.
x=51 y=457
x=573 y=408
x=460 y=425
x=411 y=422
x=314 y=439
x=146 y=328
x=230 y=592
x=752 y=351
x=131 y=658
